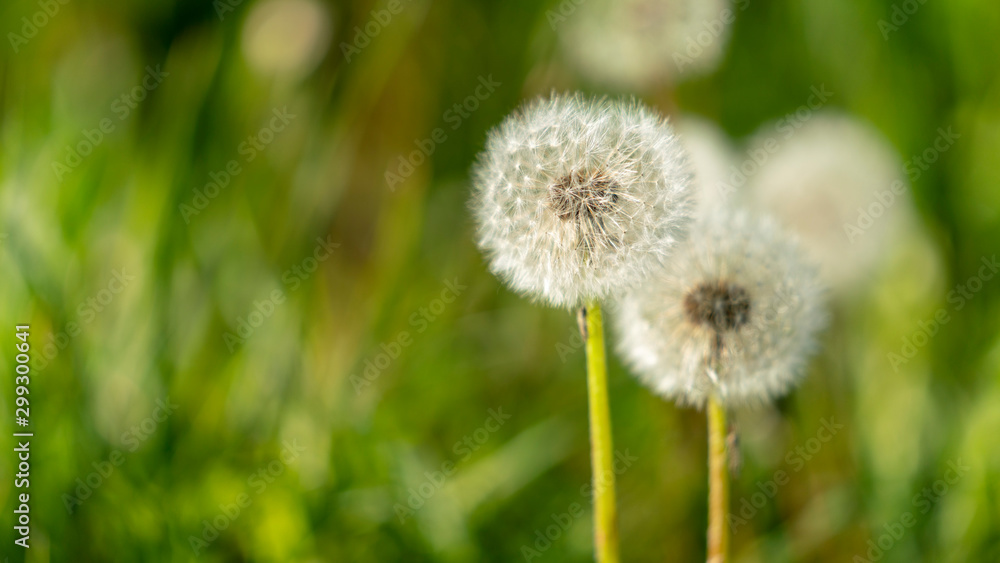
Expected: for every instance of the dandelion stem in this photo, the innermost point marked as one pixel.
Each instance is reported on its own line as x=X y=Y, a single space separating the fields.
x=601 y=449
x=718 y=483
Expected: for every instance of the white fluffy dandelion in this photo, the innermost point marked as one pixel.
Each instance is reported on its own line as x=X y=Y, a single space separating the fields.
x=577 y=199
x=641 y=43
x=735 y=317
x=839 y=184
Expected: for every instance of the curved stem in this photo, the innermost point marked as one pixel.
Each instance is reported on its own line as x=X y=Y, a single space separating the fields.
x=601 y=449
x=718 y=483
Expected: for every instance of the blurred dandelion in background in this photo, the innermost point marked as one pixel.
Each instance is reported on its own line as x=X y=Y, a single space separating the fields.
x=821 y=179
x=639 y=44
x=286 y=38
x=712 y=156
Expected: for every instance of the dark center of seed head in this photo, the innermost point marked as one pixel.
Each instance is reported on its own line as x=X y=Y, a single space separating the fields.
x=583 y=195
x=719 y=305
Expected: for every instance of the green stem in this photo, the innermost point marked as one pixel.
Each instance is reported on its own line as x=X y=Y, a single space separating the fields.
x=718 y=483
x=601 y=449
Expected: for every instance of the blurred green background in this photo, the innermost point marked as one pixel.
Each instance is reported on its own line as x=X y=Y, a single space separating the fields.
x=250 y=344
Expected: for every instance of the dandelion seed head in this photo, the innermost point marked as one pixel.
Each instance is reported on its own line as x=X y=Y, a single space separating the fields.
x=736 y=314
x=577 y=199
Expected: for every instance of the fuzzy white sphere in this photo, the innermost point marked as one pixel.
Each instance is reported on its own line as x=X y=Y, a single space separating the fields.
x=579 y=199
x=736 y=315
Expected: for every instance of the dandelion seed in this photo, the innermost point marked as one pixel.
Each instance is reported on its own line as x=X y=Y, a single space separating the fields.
x=736 y=316
x=576 y=200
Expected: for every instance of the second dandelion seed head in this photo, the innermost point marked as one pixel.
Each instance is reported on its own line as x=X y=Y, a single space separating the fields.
x=736 y=315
